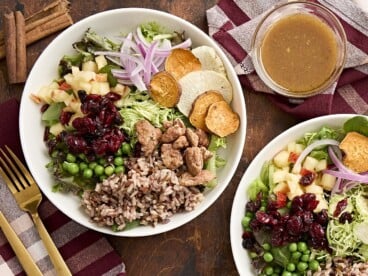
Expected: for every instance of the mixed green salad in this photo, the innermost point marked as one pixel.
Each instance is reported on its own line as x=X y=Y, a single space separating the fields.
x=90 y=112
x=307 y=212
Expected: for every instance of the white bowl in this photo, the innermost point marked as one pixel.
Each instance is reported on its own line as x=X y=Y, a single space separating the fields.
x=241 y=257
x=112 y=23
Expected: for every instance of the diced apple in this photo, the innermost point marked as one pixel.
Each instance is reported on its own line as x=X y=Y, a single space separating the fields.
x=313 y=189
x=293 y=177
x=291 y=147
x=328 y=181
x=310 y=163
x=59 y=96
x=281 y=159
x=101 y=62
x=56 y=129
x=321 y=165
x=299 y=148
x=322 y=203
x=281 y=187
x=102 y=77
x=294 y=189
x=101 y=88
x=89 y=66
x=279 y=176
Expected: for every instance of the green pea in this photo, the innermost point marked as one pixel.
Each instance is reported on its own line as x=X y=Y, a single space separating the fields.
x=268 y=270
x=286 y=273
x=249 y=214
x=119 y=152
x=268 y=257
x=65 y=166
x=302 y=246
x=293 y=247
x=99 y=170
x=109 y=170
x=302 y=266
x=290 y=267
x=87 y=173
x=92 y=165
x=118 y=161
x=54 y=154
x=253 y=255
x=245 y=221
x=313 y=265
x=263 y=208
x=266 y=246
x=126 y=149
x=71 y=158
x=119 y=169
x=82 y=156
x=102 y=161
x=296 y=255
x=83 y=165
x=304 y=258
x=102 y=177
x=73 y=168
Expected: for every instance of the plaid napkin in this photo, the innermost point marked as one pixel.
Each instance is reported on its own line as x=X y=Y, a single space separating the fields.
x=232 y=23
x=86 y=252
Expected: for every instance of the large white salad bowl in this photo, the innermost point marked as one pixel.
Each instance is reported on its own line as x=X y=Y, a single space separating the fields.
x=112 y=23
x=241 y=256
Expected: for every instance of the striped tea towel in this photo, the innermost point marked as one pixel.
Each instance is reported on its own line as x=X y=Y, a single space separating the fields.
x=232 y=23
x=86 y=252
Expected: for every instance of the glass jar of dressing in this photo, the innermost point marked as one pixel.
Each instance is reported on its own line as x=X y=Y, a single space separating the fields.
x=299 y=48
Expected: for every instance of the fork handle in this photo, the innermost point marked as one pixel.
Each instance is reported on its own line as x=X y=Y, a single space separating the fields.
x=55 y=256
x=24 y=257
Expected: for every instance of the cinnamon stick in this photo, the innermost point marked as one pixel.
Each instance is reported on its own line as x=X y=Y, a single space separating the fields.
x=10 y=46
x=48 y=20
x=21 y=56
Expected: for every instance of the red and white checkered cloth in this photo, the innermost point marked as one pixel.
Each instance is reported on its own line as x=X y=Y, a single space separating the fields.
x=232 y=23
x=86 y=252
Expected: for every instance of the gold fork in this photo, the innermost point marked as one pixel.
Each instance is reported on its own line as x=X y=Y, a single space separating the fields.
x=28 y=196
x=24 y=257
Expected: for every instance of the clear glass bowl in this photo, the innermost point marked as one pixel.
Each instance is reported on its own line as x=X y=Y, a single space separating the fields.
x=287 y=9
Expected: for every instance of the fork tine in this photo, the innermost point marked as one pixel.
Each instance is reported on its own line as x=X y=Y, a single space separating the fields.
x=9 y=173
x=24 y=170
x=12 y=188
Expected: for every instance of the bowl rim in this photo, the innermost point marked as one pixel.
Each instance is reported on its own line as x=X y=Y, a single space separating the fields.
x=201 y=36
x=240 y=197
x=258 y=66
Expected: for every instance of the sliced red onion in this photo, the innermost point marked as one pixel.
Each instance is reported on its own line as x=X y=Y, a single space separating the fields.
x=348 y=175
x=337 y=161
x=308 y=149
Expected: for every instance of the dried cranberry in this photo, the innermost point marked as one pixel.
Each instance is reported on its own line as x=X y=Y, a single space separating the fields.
x=296 y=205
x=346 y=217
x=307 y=178
x=248 y=240
x=341 y=205
x=316 y=231
x=252 y=206
x=294 y=225
x=262 y=217
x=65 y=117
x=307 y=218
x=322 y=217
x=255 y=225
x=113 y=96
x=44 y=107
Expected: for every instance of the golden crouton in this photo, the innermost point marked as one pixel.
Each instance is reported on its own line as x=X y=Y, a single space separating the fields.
x=164 y=89
x=221 y=119
x=355 y=147
x=180 y=62
x=200 y=107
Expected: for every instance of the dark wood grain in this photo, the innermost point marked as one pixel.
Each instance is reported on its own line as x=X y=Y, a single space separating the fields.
x=202 y=247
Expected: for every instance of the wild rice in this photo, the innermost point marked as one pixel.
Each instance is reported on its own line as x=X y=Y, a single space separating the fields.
x=148 y=193
x=342 y=267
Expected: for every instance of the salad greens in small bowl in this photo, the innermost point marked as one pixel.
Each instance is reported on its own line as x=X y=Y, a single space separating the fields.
x=301 y=207
x=107 y=129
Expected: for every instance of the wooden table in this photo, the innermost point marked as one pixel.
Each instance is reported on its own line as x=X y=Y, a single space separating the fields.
x=202 y=247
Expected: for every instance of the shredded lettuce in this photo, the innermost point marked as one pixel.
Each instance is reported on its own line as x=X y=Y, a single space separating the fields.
x=52 y=114
x=153 y=31
x=215 y=161
x=342 y=237
x=138 y=105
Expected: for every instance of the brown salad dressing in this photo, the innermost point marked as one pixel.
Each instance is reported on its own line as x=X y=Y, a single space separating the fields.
x=299 y=52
